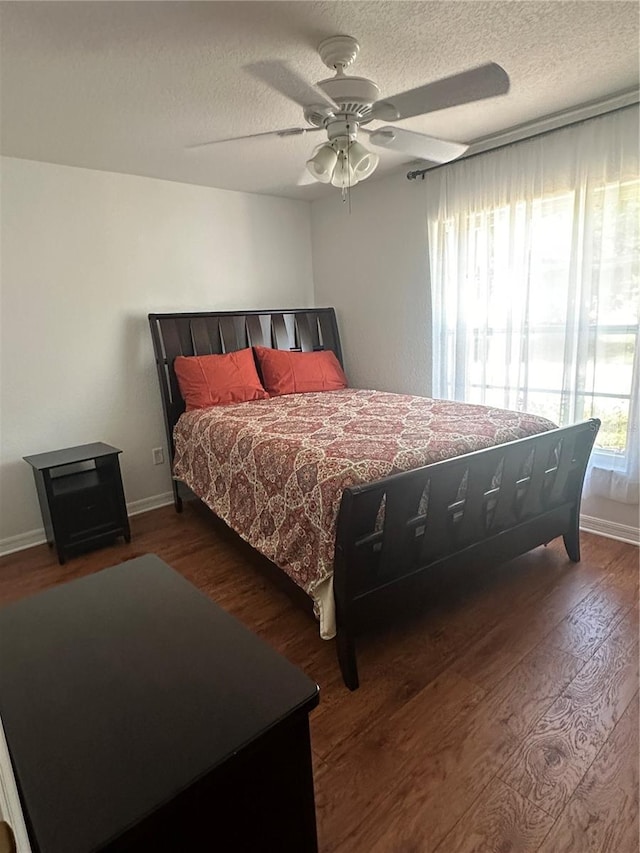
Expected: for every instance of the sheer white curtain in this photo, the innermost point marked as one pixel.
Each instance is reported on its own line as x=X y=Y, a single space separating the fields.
x=535 y=268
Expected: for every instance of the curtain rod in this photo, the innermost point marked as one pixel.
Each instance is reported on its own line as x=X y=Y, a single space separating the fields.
x=528 y=131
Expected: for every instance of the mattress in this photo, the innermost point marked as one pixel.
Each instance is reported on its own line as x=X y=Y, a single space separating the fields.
x=274 y=470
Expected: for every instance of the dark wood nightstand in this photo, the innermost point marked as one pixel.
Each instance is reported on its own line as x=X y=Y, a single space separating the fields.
x=81 y=496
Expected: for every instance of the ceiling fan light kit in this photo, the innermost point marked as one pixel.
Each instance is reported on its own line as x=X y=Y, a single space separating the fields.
x=342 y=163
x=342 y=104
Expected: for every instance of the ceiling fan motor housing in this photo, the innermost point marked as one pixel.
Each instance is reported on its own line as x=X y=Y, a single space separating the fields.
x=354 y=95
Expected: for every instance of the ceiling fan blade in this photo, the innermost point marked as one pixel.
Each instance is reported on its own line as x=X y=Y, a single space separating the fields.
x=281 y=77
x=289 y=131
x=486 y=81
x=417 y=144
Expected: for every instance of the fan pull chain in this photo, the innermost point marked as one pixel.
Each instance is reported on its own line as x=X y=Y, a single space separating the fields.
x=348 y=166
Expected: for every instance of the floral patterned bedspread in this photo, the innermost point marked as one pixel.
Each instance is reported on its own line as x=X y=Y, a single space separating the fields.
x=274 y=470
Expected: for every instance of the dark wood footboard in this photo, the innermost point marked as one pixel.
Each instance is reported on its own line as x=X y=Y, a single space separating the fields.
x=487 y=506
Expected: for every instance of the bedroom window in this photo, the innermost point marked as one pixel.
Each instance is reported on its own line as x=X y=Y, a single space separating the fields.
x=535 y=266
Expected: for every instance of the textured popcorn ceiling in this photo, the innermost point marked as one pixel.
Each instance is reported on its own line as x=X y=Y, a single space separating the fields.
x=127 y=86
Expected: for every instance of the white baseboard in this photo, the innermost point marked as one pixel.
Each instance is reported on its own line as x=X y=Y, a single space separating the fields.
x=22 y=541
x=37 y=537
x=610 y=529
x=147 y=504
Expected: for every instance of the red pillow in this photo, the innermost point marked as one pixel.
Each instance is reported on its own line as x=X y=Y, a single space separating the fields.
x=285 y=372
x=214 y=380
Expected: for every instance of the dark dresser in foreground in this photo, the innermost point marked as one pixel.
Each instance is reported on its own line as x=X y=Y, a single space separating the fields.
x=142 y=717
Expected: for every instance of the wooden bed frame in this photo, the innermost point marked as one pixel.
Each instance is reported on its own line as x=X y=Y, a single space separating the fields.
x=515 y=496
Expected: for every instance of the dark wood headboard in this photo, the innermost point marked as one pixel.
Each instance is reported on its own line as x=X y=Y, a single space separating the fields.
x=211 y=332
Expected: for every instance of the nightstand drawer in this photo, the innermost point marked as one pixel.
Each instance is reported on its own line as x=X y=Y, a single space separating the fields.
x=88 y=513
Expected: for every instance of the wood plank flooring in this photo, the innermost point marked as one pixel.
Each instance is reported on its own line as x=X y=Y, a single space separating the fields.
x=500 y=714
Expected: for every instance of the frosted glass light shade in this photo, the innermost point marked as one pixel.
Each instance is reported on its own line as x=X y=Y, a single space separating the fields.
x=343 y=174
x=322 y=164
x=362 y=162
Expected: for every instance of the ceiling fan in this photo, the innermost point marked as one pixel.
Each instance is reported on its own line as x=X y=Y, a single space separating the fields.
x=342 y=105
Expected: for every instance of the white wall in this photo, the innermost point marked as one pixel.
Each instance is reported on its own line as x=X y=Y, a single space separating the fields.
x=85 y=256
x=372 y=265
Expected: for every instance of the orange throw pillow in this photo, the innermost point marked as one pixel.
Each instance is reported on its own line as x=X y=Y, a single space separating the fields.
x=285 y=372
x=215 y=380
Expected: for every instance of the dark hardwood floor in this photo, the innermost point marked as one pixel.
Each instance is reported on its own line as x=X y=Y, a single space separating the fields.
x=500 y=715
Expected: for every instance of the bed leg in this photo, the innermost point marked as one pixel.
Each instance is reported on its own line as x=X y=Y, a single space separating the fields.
x=347 y=659
x=572 y=540
x=177 y=500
